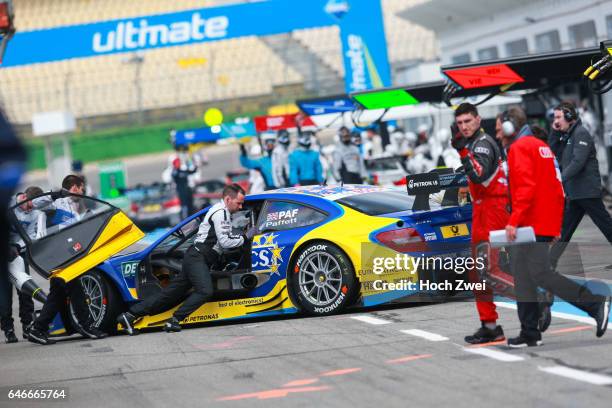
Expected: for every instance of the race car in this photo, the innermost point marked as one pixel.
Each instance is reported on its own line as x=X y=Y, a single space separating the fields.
x=317 y=252
x=154 y=206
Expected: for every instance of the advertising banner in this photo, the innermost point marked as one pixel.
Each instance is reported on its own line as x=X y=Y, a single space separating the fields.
x=264 y=123
x=361 y=27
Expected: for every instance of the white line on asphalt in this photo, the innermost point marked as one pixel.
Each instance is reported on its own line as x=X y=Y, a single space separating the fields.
x=370 y=320
x=595 y=267
x=560 y=315
x=425 y=334
x=494 y=354
x=578 y=375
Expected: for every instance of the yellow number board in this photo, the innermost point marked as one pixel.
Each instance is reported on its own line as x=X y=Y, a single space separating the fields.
x=152 y=208
x=451 y=231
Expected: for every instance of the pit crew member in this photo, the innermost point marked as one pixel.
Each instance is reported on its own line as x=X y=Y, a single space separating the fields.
x=482 y=162
x=537 y=201
x=214 y=238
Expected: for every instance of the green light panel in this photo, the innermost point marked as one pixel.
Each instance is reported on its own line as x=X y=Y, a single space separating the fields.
x=385 y=99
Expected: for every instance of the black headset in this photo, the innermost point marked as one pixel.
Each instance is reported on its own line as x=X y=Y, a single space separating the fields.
x=569 y=114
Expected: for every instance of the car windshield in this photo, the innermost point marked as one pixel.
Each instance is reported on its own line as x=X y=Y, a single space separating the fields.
x=387 y=202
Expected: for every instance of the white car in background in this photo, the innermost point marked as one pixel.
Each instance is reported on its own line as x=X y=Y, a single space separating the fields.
x=386 y=170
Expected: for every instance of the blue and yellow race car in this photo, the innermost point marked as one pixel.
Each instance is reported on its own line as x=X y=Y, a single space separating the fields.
x=318 y=252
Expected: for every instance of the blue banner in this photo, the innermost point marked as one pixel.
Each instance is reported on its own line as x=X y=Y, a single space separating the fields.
x=238 y=130
x=324 y=106
x=364 y=47
x=200 y=135
x=208 y=135
x=360 y=22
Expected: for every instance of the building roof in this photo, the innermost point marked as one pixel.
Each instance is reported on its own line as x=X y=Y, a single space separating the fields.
x=443 y=15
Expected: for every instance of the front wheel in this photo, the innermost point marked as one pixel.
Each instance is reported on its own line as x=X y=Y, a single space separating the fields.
x=101 y=299
x=323 y=280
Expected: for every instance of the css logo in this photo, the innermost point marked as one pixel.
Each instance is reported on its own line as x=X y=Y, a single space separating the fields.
x=261 y=258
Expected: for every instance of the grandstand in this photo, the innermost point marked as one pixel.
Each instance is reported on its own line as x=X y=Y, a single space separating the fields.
x=188 y=74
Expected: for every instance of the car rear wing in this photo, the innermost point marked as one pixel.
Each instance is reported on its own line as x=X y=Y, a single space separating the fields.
x=423 y=185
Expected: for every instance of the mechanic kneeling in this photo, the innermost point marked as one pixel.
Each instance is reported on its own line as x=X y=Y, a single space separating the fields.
x=214 y=238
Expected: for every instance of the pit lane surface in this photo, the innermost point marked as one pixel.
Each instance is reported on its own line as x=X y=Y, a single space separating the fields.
x=388 y=356
x=391 y=356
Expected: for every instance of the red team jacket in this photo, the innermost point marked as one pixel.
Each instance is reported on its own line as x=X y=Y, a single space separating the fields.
x=535 y=186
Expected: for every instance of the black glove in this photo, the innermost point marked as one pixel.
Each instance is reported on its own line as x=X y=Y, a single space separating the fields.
x=13 y=252
x=458 y=141
x=243 y=151
x=60 y=194
x=251 y=232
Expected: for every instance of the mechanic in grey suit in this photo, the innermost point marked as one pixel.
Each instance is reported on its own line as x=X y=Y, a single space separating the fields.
x=214 y=238
x=575 y=149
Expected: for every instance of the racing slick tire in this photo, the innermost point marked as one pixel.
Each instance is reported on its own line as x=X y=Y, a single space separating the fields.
x=322 y=279
x=103 y=301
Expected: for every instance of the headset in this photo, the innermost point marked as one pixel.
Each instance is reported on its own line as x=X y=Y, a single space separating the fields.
x=569 y=114
x=508 y=126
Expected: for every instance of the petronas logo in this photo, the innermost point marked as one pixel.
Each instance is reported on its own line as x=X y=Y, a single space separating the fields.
x=337 y=8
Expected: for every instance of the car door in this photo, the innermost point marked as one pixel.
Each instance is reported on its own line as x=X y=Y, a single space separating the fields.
x=73 y=233
x=281 y=224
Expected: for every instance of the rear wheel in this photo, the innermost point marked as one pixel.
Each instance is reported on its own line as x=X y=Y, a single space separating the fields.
x=323 y=280
x=102 y=301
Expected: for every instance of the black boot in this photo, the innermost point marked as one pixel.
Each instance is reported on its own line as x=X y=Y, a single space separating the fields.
x=127 y=321
x=38 y=336
x=10 y=336
x=172 y=325
x=486 y=335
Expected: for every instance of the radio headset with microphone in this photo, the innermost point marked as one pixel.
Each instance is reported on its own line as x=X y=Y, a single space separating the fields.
x=508 y=127
x=568 y=113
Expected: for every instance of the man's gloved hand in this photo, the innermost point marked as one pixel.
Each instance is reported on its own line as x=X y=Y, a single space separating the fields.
x=458 y=141
x=243 y=151
x=56 y=194
x=13 y=252
x=251 y=232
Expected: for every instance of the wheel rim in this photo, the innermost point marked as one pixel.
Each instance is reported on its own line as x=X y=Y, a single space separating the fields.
x=320 y=278
x=93 y=296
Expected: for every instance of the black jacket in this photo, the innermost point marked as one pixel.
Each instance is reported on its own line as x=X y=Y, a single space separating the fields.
x=12 y=161
x=578 y=159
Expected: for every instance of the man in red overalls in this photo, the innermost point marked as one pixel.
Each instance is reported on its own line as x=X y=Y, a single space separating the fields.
x=483 y=165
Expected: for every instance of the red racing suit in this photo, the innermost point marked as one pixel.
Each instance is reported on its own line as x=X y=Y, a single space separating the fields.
x=488 y=184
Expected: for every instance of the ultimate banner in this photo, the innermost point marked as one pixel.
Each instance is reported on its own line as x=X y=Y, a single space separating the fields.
x=361 y=26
